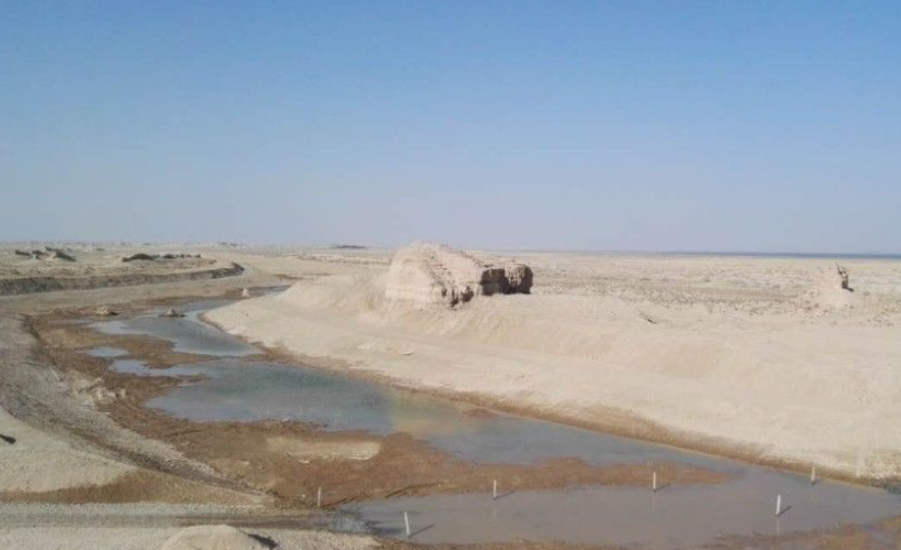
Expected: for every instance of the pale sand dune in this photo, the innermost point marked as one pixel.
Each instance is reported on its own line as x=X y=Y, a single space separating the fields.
x=749 y=354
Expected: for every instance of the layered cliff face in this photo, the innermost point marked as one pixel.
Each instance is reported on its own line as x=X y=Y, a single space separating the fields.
x=432 y=275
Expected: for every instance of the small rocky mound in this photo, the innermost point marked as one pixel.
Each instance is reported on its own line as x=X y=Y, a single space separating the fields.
x=48 y=252
x=139 y=256
x=154 y=257
x=60 y=255
x=832 y=290
x=429 y=275
x=214 y=537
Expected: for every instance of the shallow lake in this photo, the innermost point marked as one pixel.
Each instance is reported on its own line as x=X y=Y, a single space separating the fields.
x=187 y=334
x=233 y=386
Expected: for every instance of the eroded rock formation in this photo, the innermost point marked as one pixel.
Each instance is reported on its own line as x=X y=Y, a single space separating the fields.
x=429 y=275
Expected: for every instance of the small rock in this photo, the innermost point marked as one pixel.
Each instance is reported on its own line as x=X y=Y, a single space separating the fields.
x=173 y=314
x=104 y=311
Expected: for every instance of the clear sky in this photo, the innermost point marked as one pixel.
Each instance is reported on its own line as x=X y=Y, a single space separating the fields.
x=729 y=125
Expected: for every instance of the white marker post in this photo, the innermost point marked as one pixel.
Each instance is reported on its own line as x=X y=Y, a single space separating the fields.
x=813 y=475
x=494 y=490
x=319 y=498
x=654 y=482
x=407 y=524
x=778 y=505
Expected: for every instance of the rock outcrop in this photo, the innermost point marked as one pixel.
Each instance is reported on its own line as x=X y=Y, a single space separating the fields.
x=433 y=275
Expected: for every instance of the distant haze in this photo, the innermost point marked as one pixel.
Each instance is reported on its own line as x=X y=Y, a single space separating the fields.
x=622 y=125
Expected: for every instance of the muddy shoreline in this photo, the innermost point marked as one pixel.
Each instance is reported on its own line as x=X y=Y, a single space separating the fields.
x=160 y=355
x=403 y=466
x=616 y=422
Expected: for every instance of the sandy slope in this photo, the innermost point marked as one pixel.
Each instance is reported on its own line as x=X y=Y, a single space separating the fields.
x=40 y=462
x=749 y=353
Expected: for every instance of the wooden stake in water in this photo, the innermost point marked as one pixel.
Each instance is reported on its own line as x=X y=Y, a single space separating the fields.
x=494 y=490
x=778 y=505
x=654 y=482
x=407 y=524
x=813 y=475
x=319 y=498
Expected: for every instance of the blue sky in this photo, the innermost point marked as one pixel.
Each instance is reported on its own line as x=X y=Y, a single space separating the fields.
x=619 y=125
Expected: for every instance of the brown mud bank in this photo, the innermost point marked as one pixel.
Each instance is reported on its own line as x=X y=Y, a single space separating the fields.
x=291 y=460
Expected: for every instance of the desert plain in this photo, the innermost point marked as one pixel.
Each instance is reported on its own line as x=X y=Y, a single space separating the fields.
x=786 y=361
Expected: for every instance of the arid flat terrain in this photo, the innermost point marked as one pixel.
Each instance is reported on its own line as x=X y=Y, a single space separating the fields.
x=764 y=359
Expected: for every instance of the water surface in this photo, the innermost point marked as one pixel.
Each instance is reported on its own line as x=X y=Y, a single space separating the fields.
x=236 y=387
x=251 y=390
x=674 y=518
x=187 y=334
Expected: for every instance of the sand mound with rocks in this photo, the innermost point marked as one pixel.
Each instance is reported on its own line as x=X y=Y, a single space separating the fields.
x=213 y=537
x=430 y=275
x=831 y=291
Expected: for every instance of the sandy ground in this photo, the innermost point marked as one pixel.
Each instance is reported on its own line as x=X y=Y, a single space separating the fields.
x=746 y=356
x=150 y=526
x=26 y=462
x=735 y=352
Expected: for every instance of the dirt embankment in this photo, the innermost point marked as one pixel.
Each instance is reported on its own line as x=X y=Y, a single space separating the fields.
x=29 y=285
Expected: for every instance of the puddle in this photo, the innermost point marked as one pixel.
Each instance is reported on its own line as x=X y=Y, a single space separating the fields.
x=252 y=390
x=187 y=334
x=675 y=517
